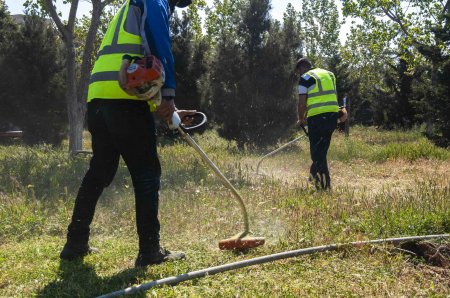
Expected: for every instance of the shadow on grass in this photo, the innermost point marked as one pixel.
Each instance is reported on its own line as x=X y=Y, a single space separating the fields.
x=78 y=279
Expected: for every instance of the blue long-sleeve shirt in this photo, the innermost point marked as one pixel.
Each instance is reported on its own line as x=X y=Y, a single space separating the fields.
x=155 y=17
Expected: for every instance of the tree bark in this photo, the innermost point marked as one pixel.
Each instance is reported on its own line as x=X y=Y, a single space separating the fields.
x=74 y=110
x=88 y=48
x=76 y=134
x=347 y=122
x=429 y=127
x=75 y=107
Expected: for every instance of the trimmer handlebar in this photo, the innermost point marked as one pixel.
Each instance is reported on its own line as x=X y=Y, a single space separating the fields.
x=195 y=121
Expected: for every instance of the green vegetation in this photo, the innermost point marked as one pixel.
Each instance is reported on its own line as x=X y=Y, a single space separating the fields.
x=381 y=189
x=32 y=58
x=235 y=62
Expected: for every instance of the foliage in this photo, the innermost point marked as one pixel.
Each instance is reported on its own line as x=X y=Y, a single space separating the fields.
x=419 y=26
x=7 y=29
x=32 y=91
x=221 y=19
x=253 y=102
x=393 y=104
x=238 y=68
x=189 y=51
x=345 y=83
x=442 y=105
x=292 y=31
x=76 y=76
x=320 y=20
x=193 y=13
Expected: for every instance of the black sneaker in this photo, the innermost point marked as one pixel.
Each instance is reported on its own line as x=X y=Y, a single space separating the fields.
x=71 y=252
x=162 y=255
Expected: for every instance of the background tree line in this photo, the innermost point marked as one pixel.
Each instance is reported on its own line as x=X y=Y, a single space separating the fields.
x=236 y=64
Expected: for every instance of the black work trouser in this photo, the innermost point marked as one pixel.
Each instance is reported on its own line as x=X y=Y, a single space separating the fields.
x=120 y=128
x=320 y=130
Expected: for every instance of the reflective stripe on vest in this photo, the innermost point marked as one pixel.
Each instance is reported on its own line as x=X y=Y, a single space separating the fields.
x=322 y=98
x=116 y=43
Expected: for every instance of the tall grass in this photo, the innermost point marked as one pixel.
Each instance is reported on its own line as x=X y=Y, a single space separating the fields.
x=380 y=146
x=411 y=151
x=38 y=186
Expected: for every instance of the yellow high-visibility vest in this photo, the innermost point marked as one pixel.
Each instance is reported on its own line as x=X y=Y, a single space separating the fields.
x=104 y=81
x=323 y=97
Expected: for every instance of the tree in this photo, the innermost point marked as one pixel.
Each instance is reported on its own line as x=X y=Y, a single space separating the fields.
x=250 y=78
x=76 y=83
x=32 y=88
x=367 y=52
x=320 y=29
x=221 y=19
x=346 y=84
x=8 y=33
x=443 y=102
x=189 y=50
x=7 y=28
x=424 y=26
x=292 y=32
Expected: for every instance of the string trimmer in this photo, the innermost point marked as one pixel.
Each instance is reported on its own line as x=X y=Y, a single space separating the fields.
x=294 y=140
x=241 y=240
x=277 y=150
x=280 y=148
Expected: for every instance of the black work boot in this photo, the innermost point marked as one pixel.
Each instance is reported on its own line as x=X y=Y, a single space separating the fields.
x=152 y=258
x=72 y=251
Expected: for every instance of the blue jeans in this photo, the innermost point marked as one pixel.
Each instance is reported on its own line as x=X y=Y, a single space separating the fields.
x=320 y=130
x=120 y=128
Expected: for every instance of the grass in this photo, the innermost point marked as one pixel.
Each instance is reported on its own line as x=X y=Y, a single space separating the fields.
x=386 y=184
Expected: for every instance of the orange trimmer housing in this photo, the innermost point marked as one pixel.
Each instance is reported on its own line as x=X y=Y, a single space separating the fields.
x=145 y=75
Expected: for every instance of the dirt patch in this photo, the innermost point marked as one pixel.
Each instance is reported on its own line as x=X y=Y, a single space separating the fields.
x=434 y=254
x=360 y=175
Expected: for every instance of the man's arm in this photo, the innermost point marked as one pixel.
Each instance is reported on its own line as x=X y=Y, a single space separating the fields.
x=157 y=32
x=306 y=83
x=301 y=108
x=342 y=115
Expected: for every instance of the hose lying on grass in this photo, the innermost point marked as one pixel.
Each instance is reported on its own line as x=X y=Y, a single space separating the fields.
x=260 y=260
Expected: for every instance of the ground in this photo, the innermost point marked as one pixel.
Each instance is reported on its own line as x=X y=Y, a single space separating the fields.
x=379 y=191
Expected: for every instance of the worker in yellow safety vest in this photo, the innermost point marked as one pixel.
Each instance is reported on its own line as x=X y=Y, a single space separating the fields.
x=318 y=108
x=120 y=120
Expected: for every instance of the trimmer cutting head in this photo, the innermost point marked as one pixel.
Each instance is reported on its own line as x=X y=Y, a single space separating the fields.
x=237 y=243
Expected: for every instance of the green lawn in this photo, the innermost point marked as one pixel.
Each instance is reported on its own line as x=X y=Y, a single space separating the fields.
x=385 y=184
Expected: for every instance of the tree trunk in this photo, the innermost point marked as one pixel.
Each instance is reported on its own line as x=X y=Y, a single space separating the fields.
x=434 y=83
x=347 y=122
x=76 y=125
x=75 y=109
x=85 y=67
x=77 y=89
x=429 y=127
